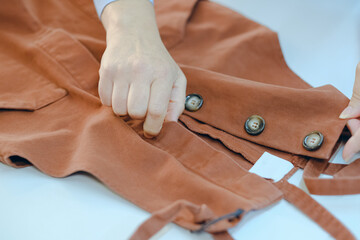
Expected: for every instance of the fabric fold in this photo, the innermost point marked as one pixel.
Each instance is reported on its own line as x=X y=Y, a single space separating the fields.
x=237 y=68
x=290 y=113
x=172 y=28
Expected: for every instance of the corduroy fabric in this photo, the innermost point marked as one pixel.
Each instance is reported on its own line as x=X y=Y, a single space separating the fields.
x=51 y=116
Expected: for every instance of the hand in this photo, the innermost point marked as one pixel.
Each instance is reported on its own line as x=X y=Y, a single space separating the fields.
x=352 y=112
x=138 y=77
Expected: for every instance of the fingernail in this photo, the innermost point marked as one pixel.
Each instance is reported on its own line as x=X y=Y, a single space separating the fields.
x=346 y=113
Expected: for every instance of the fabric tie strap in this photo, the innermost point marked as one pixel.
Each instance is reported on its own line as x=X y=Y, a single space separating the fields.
x=202 y=215
x=314 y=210
x=346 y=177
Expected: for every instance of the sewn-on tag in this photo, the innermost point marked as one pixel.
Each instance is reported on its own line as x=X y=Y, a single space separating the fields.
x=270 y=166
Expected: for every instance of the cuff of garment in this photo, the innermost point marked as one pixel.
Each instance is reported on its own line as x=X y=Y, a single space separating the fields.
x=101 y=4
x=290 y=114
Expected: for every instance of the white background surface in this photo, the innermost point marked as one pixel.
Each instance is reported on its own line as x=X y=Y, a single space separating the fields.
x=320 y=41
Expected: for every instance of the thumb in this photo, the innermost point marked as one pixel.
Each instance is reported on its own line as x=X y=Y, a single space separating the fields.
x=353 y=109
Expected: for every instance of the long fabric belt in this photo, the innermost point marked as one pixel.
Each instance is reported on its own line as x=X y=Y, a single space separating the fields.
x=292 y=194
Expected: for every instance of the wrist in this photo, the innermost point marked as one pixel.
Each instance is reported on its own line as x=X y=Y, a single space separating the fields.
x=135 y=17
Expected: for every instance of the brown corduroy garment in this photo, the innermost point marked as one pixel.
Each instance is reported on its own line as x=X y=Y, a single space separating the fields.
x=195 y=171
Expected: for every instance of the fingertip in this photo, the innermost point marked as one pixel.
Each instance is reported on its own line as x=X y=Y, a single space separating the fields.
x=148 y=135
x=153 y=125
x=346 y=156
x=346 y=113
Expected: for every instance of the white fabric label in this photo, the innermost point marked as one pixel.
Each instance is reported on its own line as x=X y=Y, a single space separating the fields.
x=270 y=166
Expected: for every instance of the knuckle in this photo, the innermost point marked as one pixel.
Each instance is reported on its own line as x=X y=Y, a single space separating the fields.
x=104 y=96
x=156 y=112
x=120 y=94
x=182 y=77
x=106 y=69
x=136 y=113
x=102 y=82
x=121 y=99
x=356 y=96
x=119 y=68
x=181 y=107
x=181 y=82
x=140 y=65
x=163 y=71
x=103 y=93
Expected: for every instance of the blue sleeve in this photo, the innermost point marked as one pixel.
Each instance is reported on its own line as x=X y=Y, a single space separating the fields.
x=101 y=4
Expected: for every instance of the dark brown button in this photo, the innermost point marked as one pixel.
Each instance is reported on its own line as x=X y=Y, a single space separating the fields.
x=313 y=141
x=193 y=102
x=254 y=125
